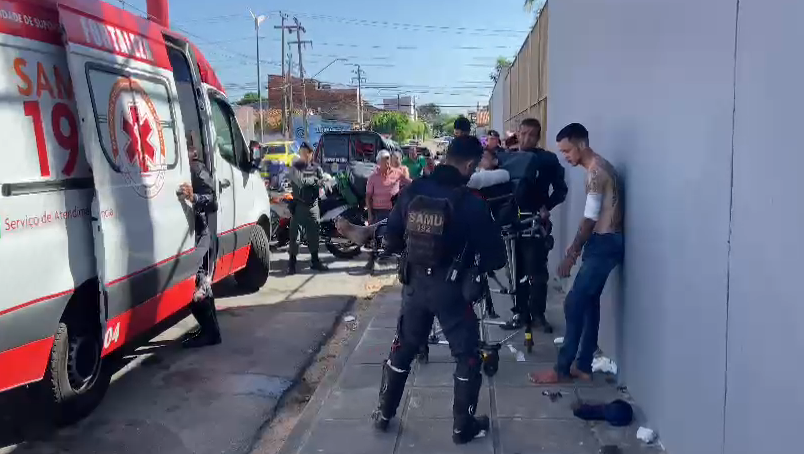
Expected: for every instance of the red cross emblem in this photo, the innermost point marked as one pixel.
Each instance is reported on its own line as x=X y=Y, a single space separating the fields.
x=139 y=130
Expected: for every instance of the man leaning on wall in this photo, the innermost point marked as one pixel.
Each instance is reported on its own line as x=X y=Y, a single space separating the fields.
x=600 y=239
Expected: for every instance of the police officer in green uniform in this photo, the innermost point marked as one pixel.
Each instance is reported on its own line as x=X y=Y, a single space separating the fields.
x=306 y=180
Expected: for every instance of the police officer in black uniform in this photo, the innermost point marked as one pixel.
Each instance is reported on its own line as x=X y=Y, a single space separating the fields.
x=444 y=229
x=201 y=193
x=531 y=295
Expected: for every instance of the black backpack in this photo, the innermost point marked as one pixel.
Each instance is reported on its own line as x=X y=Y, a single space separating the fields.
x=523 y=167
x=426 y=227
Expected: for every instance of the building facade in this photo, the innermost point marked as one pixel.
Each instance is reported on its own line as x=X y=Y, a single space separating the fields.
x=403 y=104
x=695 y=103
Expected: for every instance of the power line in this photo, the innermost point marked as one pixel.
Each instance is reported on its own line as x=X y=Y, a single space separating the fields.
x=379 y=23
x=201 y=40
x=375 y=46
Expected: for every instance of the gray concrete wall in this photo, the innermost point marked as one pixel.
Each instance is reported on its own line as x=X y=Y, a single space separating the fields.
x=766 y=310
x=653 y=80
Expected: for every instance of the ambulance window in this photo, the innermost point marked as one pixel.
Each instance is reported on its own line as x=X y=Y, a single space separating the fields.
x=188 y=103
x=135 y=119
x=224 y=140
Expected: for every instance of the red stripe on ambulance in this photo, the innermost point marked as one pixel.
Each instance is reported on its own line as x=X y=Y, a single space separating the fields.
x=130 y=37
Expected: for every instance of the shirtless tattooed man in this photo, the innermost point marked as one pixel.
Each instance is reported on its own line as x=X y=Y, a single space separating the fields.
x=600 y=239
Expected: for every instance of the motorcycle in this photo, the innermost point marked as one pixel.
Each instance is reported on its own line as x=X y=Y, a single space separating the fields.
x=332 y=206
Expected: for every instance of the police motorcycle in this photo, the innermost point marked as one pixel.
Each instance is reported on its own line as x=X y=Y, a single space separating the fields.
x=332 y=206
x=345 y=199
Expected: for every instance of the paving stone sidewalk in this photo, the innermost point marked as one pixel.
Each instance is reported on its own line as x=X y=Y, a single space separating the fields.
x=523 y=419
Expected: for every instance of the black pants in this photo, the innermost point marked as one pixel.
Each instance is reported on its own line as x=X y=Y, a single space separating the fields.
x=429 y=296
x=531 y=277
x=206 y=249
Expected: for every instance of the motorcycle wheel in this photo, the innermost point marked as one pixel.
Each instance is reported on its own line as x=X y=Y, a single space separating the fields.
x=345 y=249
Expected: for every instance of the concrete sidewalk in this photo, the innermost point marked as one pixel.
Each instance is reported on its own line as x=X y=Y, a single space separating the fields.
x=336 y=421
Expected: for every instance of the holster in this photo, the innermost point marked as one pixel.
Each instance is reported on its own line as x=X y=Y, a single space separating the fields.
x=403 y=270
x=471 y=284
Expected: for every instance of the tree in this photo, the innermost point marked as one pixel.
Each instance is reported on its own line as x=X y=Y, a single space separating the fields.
x=429 y=112
x=531 y=5
x=394 y=123
x=501 y=65
x=418 y=130
x=250 y=98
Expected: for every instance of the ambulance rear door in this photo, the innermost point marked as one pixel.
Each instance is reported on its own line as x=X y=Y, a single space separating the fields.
x=135 y=139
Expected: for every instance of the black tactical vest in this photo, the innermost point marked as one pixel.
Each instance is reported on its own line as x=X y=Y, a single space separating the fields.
x=426 y=227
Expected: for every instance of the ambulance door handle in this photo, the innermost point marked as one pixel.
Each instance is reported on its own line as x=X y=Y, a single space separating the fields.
x=223 y=184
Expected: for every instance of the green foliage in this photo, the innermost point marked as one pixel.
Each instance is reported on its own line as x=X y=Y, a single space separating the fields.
x=445 y=125
x=501 y=65
x=419 y=130
x=250 y=98
x=394 y=123
x=429 y=112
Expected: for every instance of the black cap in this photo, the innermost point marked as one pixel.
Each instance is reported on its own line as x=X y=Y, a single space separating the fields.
x=463 y=124
x=493 y=133
x=465 y=148
x=306 y=145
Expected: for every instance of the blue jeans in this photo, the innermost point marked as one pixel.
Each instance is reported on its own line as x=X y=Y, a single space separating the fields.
x=601 y=255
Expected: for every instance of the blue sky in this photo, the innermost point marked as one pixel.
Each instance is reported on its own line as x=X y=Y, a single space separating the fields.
x=441 y=51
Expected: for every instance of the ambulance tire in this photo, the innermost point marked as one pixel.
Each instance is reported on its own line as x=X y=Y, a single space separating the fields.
x=258 y=265
x=75 y=380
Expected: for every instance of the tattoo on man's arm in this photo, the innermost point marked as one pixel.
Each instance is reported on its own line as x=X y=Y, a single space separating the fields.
x=583 y=235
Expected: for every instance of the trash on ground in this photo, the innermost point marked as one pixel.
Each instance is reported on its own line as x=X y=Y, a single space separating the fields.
x=558 y=340
x=349 y=318
x=520 y=357
x=618 y=413
x=604 y=365
x=646 y=435
x=553 y=395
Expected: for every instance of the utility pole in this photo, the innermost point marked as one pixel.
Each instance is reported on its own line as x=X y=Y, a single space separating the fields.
x=300 y=43
x=257 y=21
x=286 y=123
x=359 y=79
x=399 y=102
x=290 y=93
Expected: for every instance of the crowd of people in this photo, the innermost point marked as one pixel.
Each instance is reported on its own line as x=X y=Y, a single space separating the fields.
x=447 y=236
x=450 y=237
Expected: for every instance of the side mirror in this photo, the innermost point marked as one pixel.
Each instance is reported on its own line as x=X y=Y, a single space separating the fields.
x=256 y=153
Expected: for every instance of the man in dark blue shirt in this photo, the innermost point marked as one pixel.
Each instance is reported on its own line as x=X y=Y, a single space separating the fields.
x=544 y=190
x=466 y=236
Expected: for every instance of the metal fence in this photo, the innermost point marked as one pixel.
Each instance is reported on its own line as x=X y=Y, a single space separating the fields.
x=525 y=82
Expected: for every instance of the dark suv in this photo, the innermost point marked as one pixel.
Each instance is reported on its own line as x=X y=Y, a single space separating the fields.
x=337 y=149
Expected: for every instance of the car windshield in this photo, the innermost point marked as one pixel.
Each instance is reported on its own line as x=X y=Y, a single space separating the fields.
x=337 y=147
x=274 y=149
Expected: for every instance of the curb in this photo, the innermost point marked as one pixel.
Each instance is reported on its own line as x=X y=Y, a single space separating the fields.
x=300 y=372
x=298 y=436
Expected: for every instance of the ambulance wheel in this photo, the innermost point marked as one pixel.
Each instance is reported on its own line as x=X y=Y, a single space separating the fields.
x=75 y=380
x=258 y=265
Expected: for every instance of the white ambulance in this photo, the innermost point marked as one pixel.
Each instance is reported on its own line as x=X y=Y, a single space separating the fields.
x=96 y=248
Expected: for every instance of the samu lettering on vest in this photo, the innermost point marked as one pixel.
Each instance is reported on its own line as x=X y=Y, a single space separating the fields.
x=424 y=222
x=116 y=40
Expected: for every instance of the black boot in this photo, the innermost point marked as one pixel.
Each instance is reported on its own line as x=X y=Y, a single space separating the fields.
x=315 y=263
x=513 y=324
x=209 y=332
x=466 y=427
x=538 y=304
x=542 y=323
x=292 y=265
x=370 y=265
x=392 y=387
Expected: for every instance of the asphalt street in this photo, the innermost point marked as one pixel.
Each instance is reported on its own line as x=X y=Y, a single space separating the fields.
x=167 y=400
